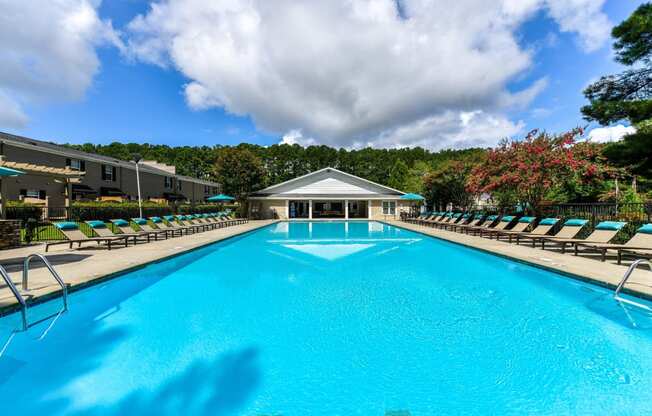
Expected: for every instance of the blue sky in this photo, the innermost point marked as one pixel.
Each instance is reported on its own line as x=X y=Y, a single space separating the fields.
x=131 y=97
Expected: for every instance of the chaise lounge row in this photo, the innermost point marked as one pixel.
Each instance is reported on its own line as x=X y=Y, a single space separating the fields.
x=141 y=229
x=527 y=229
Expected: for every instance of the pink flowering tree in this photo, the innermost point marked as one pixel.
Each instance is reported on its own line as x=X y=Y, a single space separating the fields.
x=533 y=167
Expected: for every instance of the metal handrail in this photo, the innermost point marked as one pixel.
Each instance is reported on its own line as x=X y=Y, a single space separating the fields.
x=54 y=273
x=626 y=276
x=16 y=293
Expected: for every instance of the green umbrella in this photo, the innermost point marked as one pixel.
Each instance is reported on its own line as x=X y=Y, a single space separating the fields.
x=412 y=197
x=6 y=172
x=220 y=198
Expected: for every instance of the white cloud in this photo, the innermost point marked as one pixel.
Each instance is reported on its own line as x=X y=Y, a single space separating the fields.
x=610 y=134
x=450 y=130
x=11 y=114
x=47 y=52
x=583 y=17
x=296 y=137
x=351 y=72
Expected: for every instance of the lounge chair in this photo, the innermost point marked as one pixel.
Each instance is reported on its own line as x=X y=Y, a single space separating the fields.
x=125 y=228
x=214 y=219
x=193 y=220
x=186 y=221
x=569 y=230
x=522 y=224
x=604 y=232
x=169 y=224
x=472 y=221
x=100 y=228
x=485 y=225
x=227 y=215
x=156 y=232
x=224 y=216
x=543 y=228
x=639 y=246
x=433 y=216
x=463 y=219
x=447 y=217
x=501 y=226
x=204 y=219
x=417 y=218
x=74 y=235
x=454 y=219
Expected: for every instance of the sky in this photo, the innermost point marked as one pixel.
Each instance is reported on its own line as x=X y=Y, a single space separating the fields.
x=345 y=73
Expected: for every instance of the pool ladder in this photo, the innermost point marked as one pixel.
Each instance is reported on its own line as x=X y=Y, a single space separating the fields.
x=16 y=292
x=626 y=276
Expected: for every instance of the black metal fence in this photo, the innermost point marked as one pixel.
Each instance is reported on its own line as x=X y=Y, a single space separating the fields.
x=595 y=212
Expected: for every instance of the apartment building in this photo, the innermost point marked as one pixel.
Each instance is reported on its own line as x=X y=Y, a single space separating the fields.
x=105 y=178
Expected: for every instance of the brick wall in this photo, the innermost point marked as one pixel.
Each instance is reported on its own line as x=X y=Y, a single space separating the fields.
x=9 y=233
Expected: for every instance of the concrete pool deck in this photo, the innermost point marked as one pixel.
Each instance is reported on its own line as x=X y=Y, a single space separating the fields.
x=81 y=268
x=586 y=267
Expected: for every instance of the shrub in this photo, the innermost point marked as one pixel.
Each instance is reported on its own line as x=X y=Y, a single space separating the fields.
x=106 y=211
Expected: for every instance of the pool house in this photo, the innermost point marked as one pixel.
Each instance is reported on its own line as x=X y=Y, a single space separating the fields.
x=329 y=194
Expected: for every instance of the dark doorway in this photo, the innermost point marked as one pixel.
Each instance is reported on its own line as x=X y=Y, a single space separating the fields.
x=299 y=209
x=358 y=209
x=328 y=209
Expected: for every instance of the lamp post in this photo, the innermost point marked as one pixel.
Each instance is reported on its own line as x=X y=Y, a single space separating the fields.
x=137 y=159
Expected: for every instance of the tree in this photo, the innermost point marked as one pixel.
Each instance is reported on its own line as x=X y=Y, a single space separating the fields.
x=628 y=95
x=535 y=167
x=633 y=152
x=447 y=184
x=283 y=162
x=240 y=172
x=398 y=175
x=414 y=182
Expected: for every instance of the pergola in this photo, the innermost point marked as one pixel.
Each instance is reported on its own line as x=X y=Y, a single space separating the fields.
x=66 y=175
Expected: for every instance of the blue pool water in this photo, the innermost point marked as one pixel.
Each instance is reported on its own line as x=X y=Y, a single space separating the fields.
x=334 y=318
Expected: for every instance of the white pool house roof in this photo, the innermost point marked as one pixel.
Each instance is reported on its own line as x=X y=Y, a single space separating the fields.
x=328 y=183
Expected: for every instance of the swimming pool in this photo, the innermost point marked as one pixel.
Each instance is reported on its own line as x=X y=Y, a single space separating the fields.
x=331 y=318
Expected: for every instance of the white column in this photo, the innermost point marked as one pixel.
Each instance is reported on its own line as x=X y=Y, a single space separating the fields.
x=369 y=209
x=310 y=209
x=346 y=209
x=287 y=209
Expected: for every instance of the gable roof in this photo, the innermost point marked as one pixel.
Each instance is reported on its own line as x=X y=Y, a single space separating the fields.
x=328 y=181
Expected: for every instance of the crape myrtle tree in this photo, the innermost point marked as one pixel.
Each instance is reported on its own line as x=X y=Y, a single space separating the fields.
x=628 y=95
x=532 y=168
x=240 y=172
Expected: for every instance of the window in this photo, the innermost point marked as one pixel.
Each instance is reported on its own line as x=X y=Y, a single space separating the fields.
x=207 y=190
x=76 y=164
x=168 y=182
x=109 y=173
x=32 y=193
x=178 y=185
x=389 y=207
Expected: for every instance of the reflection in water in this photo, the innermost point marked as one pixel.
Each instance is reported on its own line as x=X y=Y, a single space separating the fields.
x=336 y=240
x=329 y=251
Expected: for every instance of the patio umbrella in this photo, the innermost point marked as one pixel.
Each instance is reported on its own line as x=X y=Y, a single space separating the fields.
x=6 y=172
x=220 y=198
x=412 y=197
